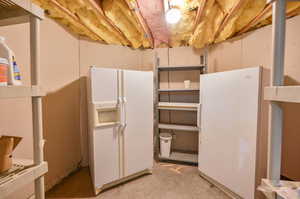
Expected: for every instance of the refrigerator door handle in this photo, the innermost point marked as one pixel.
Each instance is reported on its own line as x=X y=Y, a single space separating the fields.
x=125 y=111
x=123 y=120
x=120 y=107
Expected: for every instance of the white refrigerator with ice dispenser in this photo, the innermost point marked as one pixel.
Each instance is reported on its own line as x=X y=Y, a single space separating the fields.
x=120 y=125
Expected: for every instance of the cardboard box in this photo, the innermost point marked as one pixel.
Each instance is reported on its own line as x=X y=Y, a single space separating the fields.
x=7 y=146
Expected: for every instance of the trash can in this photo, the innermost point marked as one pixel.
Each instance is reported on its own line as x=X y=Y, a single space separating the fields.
x=165 y=144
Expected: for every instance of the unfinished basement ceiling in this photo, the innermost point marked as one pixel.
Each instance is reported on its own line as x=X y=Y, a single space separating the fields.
x=142 y=24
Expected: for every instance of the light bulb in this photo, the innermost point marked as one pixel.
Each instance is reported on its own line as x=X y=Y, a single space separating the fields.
x=179 y=3
x=173 y=15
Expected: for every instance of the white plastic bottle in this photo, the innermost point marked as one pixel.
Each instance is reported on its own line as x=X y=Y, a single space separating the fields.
x=14 y=77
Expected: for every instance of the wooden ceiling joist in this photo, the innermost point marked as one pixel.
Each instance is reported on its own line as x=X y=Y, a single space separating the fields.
x=267 y=12
x=293 y=13
x=76 y=19
x=229 y=16
x=133 y=5
x=199 y=15
x=102 y=16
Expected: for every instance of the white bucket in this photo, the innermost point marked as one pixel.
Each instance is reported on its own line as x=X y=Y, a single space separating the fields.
x=165 y=144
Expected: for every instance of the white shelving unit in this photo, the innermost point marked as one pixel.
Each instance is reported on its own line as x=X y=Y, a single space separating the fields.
x=274 y=187
x=178 y=156
x=26 y=171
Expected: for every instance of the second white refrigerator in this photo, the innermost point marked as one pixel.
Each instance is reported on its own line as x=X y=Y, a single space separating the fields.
x=121 y=125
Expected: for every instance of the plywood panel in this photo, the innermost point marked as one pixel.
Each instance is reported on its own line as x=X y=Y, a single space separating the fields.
x=183 y=56
x=254 y=55
x=147 y=57
x=290 y=159
x=60 y=71
x=163 y=55
x=164 y=77
x=95 y=54
x=227 y=56
x=185 y=141
x=177 y=78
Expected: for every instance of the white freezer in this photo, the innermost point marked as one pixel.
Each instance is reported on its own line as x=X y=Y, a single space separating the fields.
x=229 y=127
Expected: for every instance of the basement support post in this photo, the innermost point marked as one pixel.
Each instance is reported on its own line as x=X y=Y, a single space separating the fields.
x=277 y=79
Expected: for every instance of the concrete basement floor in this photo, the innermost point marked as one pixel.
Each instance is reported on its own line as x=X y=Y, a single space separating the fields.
x=168 y=181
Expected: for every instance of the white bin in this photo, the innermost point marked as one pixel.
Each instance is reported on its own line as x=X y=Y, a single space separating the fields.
x=165 y=144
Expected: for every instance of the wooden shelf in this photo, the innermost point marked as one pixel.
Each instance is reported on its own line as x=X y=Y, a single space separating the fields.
x=20 y=91
x=283 y=94
x=287 y=189
x=178 y=106
x=182 y=157
x=22 y=173
x=178 y=68
x=178 y=127
x=178 y=90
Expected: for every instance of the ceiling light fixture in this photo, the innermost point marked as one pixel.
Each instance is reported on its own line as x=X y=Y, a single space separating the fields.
x=173 y=15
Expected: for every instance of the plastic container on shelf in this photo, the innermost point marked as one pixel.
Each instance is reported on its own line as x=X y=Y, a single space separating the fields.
x=187 y=84
x=165 y=144
x=14 y=77
x=3 y=71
